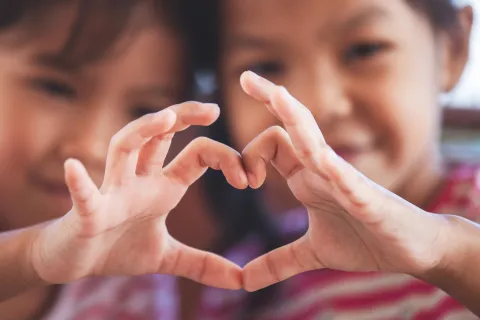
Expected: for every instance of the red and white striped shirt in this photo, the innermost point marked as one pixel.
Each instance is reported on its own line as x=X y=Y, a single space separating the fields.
x=323 y=294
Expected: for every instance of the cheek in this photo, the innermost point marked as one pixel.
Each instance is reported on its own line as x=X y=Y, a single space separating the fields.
x=409 y=129
x=25 y=133
x=246 y=118
x=404 y=109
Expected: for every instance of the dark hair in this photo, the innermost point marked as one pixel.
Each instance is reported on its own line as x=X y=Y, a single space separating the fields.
x=242 y=213
x=97 y=26
x=442 y=14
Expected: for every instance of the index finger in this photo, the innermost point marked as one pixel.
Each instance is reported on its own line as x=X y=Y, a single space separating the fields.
x=298 y=121
x=200 y=266
x=204 y=153
x=125 y=145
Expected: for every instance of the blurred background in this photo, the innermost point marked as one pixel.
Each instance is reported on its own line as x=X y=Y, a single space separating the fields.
x=461 y=136
x=468 y=93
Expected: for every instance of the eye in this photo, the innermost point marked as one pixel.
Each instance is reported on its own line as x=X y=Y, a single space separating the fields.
x=266 y=68
x=55 y=88
x=363 y=51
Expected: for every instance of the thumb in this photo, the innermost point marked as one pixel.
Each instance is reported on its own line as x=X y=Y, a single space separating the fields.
x=280 y=264
x=84 y=192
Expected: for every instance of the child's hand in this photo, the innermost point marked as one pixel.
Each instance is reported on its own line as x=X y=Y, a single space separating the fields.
x=120 y=229
x=355 y=225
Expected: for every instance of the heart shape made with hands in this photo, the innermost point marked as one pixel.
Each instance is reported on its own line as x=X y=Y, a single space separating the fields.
x=119 y=229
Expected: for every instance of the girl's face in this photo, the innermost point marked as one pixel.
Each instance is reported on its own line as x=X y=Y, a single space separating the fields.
x=370 y=71
x=50 y=112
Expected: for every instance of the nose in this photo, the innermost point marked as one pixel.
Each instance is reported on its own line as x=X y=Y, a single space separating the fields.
x=86 y=138
x=322 y=89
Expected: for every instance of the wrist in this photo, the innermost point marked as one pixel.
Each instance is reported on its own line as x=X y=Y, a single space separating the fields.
x=17 y=273
x=456 y=243
x=29 y=273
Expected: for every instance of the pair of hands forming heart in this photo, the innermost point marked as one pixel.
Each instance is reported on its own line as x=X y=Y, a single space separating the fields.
x=119 y=229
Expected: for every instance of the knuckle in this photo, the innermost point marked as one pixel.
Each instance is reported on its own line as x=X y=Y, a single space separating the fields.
x=305 y=153
x=116 y=142
x=201 y=142
x=276 y=131
x=192 y=107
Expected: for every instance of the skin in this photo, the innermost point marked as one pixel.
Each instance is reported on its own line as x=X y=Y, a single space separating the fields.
x=256 y=275
x=374 y=229
x=126 y=216
x=370 y=72
x=72 y=114
x=49 y=114
x=354 y=224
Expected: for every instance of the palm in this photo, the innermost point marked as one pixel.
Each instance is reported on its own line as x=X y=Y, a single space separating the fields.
x=137 y=230
x=346 y=244
x=354 y=224
x=120 y=228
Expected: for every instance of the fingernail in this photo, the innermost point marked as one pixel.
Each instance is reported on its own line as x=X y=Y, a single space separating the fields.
x=255 y=77
x=205 y=107
x=210 y=106
x=243 y=178
x=262 y=84
x=251 y=180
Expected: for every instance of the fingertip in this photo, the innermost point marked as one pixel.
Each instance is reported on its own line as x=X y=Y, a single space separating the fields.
x=67 y=165
x=236 y=278
x=211 y=109
x=248 y=282
x=244 y=78
x=169 y=117
x=215 y=110
x=237 y=178
x=252 y=180
x=70 y=163
x=223 y=274
x=243 y=180
x=72 y=167
x=245 y=83
x=257 y=87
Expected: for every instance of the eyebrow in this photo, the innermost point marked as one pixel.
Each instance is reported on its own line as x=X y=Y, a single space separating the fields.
x=54 y=62
x=247 y=41
x=366 y=16
x=156 y=91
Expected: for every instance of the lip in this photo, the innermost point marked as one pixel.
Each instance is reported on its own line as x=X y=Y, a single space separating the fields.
x=54 y=189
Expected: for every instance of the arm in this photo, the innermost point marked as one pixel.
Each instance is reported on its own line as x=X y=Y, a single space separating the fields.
x=16 y=272
x=354 y=224
x=103 y=232
x=459 y=272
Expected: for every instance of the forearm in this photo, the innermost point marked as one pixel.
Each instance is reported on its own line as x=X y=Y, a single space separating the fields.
x=459 y=273
x=16 y=272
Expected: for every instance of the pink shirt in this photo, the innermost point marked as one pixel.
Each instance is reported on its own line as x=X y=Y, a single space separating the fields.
x=323 y=294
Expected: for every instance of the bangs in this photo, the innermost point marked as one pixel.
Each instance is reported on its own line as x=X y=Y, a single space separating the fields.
x=97 y=25
x=441 y=13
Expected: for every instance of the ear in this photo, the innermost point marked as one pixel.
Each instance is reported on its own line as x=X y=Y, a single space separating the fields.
x=456 y=49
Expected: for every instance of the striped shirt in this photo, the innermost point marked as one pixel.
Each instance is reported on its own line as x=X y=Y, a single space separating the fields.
x=319 y=295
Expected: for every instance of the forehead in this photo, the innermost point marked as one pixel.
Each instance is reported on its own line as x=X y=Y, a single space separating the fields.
x=144 y=50
x=300 y=15
x=66 y=32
